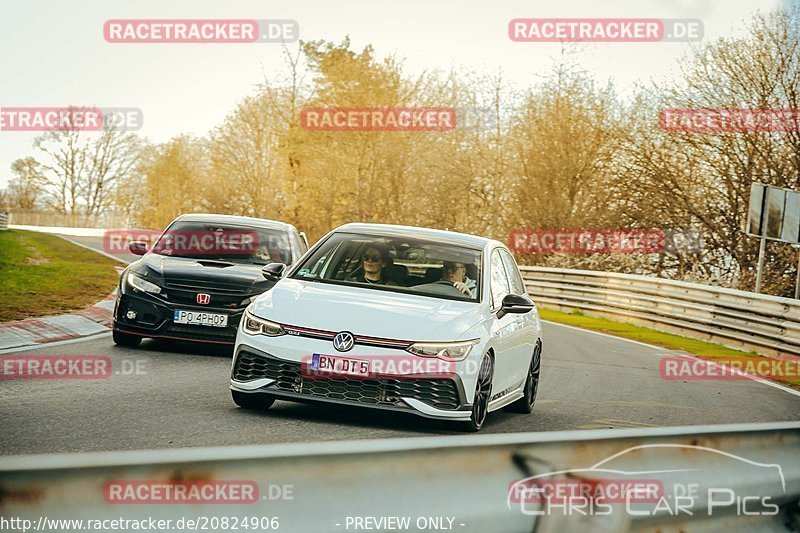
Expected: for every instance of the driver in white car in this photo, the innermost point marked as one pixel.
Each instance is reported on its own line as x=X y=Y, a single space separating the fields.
x=373 y=268
x=456 y=273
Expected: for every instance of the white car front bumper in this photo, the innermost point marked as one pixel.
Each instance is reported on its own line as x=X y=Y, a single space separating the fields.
x=256 y=370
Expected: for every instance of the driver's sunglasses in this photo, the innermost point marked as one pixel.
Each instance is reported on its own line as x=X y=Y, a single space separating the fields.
x=372 y=258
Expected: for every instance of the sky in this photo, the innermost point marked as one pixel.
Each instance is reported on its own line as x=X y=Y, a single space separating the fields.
x=54 y=54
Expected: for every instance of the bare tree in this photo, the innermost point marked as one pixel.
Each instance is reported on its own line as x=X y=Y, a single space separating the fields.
x=703 y=180
x=25 y=189
x=82 y=169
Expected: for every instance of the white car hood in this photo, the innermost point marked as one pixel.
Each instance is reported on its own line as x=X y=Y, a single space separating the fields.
x=364 y=311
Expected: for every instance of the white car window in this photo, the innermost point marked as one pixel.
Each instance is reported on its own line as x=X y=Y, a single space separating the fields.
x=396 y=263
x=319 y=266
x=514 y=279
x=499 y=280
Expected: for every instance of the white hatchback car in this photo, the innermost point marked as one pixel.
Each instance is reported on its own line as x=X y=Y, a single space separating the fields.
x=392 y=317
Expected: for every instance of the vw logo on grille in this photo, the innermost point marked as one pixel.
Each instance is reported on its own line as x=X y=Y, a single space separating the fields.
x=344 y=341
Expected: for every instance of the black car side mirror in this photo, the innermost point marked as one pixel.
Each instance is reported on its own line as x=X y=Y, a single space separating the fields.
x=137 y=247
x=273 y=271
x=515 y=303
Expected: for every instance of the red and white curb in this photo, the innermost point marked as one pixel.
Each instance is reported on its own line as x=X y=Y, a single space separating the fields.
x=34 y=331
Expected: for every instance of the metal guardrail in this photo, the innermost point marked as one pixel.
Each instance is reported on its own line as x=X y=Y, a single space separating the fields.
x=76 y=232
x=42 y=218
x=3 y=220
x=460 y=482
x=743 y=320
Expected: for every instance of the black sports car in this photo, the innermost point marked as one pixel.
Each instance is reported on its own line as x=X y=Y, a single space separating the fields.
x=198 y=277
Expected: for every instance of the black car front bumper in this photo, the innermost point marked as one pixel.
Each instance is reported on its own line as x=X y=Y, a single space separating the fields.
x=155 y=319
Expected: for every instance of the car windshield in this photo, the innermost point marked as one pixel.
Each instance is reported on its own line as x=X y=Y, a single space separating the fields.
x=225 y=242
x=398 y=264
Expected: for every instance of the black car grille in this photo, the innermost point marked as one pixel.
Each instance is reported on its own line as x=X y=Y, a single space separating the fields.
x=202 y=333
x=223 y=294
x=205 y=284
x=440 y=393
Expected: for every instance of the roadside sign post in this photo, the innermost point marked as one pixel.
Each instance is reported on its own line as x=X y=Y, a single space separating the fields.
x=760 y=268
x=773 y=214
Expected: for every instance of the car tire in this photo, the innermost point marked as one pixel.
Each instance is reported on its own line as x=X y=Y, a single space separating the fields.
x=125 y=339
x=525 y=404
x=483 y=391
x=257 y=402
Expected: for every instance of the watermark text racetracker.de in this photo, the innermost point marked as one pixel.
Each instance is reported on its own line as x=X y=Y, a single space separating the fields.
x=729 y=368
x=370 y=367
x=187 y=31
x=69 y=367
x=597 y=241
x=189 y=242
x=378 y=118
x=70 y=118
x=202 y=492
x=615 y=30
x=584 y=489
x=192 y=492
x=733 y=120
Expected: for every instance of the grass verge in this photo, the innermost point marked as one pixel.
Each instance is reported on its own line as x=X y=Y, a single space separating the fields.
x=42 y=274
x=702 y=349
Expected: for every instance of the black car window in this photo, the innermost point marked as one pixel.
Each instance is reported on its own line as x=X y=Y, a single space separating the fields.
x=227 y=242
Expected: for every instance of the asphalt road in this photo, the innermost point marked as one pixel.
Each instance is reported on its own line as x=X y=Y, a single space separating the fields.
x=96 y=243
x=180 y=398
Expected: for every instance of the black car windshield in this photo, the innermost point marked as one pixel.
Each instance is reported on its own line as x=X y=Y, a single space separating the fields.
x=225 y=242
x=398 y=264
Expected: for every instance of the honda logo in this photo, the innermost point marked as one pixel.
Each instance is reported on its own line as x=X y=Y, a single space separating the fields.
x=344 y=341
x=203 y=298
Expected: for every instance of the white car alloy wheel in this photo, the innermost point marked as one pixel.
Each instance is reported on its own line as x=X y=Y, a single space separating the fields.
x=483 y=391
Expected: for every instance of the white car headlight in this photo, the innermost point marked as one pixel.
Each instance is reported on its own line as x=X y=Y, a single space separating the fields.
x=258 y=326
x=142 y=284
x=449 y=351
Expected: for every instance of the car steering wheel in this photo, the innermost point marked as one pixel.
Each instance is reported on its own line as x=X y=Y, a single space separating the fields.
x=450 y=284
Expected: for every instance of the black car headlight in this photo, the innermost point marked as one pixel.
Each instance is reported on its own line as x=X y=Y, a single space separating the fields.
x=141 y=284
